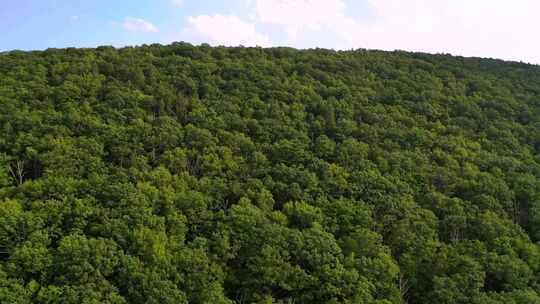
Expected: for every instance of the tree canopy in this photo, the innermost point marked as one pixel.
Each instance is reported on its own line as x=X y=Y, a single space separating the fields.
x=198 y=174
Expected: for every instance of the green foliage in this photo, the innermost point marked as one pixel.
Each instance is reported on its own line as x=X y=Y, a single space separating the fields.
x=183 y=174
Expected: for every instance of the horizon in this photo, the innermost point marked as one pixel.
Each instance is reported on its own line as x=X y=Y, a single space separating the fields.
x=483 y=29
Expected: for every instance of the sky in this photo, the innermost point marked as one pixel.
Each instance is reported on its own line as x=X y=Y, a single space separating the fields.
x=482 y=28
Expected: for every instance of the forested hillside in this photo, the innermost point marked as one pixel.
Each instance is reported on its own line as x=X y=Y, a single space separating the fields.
x=182 y=174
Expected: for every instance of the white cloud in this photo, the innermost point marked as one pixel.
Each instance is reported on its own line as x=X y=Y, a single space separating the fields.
x=139 y=25
x=298 y=15
x=485 y=28
x=488 y=28
x=177 y=2
x=226 y=30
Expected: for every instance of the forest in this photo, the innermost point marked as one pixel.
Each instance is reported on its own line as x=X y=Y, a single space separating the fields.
x=197 y=174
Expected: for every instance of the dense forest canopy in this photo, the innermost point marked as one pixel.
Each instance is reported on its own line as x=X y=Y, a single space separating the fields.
x=183 y=174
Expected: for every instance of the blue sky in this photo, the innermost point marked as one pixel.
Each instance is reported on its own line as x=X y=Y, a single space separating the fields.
x=486 y=28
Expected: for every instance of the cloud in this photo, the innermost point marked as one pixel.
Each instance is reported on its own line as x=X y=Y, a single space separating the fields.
x=226 y=30
x=139 y=25
x=297 y=15
x=327 y=17
x=493 y=28
x=177 y=2
x=485 y=28
x=74 y=18
x=489 y=28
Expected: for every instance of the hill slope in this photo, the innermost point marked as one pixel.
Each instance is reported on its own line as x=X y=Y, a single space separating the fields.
x=176 y=174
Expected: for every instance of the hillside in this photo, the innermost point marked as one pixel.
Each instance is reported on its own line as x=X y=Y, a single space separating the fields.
x=182 y=174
